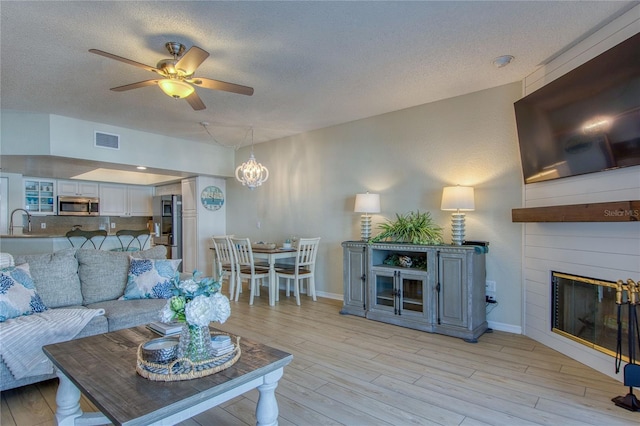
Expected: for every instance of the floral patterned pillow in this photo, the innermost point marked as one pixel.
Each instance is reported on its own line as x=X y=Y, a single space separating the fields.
x=151 y=278
x=18 y=294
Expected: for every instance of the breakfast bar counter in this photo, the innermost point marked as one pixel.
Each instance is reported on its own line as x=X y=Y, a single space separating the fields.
x=38 y=243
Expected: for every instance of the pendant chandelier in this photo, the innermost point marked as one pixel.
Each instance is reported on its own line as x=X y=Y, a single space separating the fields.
x=251 y=173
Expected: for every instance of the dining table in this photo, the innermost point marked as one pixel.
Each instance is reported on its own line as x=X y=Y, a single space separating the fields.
x=271 y=256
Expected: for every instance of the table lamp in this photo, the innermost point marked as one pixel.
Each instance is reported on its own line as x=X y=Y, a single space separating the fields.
x=457 y=199
x=366 y=203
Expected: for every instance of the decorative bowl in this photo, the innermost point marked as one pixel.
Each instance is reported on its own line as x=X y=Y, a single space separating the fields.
x=261 y=245
x=164 y=349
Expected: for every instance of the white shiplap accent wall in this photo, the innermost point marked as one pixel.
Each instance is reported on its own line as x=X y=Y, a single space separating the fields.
x=607 y=251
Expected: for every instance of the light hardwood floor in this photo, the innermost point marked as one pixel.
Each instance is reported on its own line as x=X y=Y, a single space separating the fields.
x=352 y=371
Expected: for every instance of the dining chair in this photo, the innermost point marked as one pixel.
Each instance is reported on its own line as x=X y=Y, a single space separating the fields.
x=304 y=268
x=83 y=237
x=247 y=269
x=225 y=260
x=132 y=240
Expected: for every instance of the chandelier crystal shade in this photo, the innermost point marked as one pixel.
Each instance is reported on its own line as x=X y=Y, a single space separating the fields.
x=175 y=88
x=251 y=173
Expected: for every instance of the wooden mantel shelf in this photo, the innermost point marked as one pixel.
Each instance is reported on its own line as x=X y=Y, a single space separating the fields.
x=615 y=211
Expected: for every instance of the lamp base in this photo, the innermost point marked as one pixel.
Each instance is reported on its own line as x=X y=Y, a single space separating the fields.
x=365 y=227
x=457 y=228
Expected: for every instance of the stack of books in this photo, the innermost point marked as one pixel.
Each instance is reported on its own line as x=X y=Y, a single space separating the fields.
x=221 y=345
x=165 y=328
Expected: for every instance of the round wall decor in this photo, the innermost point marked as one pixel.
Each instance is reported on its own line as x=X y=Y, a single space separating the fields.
x=212 y=198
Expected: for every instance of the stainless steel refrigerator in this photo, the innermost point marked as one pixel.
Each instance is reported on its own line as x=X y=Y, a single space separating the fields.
x=167 y=224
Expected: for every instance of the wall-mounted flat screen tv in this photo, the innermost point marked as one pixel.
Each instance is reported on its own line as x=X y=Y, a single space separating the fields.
x=586 y=121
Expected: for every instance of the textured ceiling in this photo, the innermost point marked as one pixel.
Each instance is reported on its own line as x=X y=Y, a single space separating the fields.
x=312 y=64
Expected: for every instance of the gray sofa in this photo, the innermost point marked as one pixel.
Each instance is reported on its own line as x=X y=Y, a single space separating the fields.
x=87 y=279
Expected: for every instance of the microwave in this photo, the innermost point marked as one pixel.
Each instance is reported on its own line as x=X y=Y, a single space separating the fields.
x=78 y=206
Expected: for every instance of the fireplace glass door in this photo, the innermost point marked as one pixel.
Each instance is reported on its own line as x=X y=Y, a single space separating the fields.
x=585 y=310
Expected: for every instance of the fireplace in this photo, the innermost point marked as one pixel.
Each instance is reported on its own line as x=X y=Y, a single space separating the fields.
x=585 y=310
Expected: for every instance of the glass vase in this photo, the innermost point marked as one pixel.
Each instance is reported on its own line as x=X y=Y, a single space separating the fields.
x=195 y=343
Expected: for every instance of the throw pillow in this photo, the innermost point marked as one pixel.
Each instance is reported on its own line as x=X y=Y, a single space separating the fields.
x=18 y=294
x=151 y=278
x=103 y=274
x=55 y=276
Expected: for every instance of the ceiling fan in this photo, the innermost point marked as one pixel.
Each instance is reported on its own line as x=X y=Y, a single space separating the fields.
x=176 y=75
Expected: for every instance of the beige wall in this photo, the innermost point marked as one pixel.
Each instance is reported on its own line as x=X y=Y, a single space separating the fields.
x=407 y=156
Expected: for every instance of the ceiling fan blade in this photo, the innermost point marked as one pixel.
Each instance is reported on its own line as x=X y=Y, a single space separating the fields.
x=195 y=101
x=125 y=60
x=134 y=85
x=208 y=83
x=192 y=59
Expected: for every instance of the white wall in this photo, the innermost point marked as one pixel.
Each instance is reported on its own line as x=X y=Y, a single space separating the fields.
x=407 y=156
x=606 y=251
x=24 y=133
x=38 y=134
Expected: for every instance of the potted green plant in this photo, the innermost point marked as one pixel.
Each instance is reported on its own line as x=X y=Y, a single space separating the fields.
x=412 y=228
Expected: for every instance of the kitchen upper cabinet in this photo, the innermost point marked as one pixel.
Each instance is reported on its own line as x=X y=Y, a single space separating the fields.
x=139 y=200
x=40 y=195
x=75 y=188
x=125 y=200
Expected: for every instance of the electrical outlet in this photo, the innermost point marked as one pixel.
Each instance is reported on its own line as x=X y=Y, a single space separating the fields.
x=258 y=224
x=113 y=225
x=491 y=286
x=102 y=227
x=43 y=225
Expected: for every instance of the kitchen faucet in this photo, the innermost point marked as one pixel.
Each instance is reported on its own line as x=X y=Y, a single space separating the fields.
x=11 y=220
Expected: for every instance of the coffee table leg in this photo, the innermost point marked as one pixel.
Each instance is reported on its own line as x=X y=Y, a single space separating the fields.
x=67 y=401
x=68 y=412
x=267 y=408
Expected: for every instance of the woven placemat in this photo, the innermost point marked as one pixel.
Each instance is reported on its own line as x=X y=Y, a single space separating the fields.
x=184 y=368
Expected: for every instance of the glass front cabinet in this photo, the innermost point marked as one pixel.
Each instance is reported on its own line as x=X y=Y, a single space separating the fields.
x=40 y=195
x=399 y=290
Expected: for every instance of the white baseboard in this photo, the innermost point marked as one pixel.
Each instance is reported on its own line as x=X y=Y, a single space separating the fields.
x=509 y=328
x=330 y=295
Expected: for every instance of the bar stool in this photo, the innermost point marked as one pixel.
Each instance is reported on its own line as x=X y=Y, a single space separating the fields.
x=83 y=237
x=134 y=240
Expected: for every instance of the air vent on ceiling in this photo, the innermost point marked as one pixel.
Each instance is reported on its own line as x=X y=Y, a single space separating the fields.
x=107 y=140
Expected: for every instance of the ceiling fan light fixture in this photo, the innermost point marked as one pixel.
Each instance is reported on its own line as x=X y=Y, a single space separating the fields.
x=175 y=88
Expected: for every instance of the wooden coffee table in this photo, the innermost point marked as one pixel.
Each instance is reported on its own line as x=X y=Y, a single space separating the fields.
x=103 y=368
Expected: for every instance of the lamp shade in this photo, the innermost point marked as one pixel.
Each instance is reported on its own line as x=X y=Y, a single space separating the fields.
x=457 y=198
x=367 y=203
x=175 y=89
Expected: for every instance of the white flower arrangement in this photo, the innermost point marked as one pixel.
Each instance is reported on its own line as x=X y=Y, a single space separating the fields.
x=196 y=302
